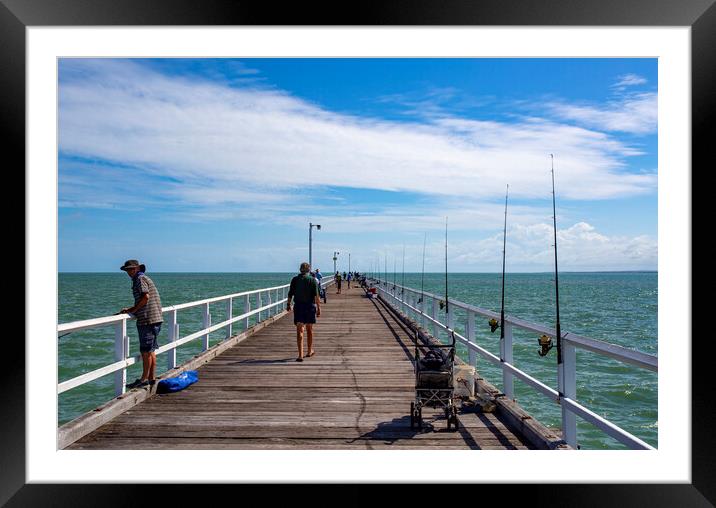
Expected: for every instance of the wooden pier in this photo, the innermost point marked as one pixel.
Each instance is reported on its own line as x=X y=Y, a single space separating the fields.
x=355 y=393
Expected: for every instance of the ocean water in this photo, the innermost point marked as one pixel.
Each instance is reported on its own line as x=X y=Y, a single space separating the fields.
x=619 y=307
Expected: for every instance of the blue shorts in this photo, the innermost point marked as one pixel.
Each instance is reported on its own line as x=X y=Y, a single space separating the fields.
x=148 y=337
x=304 y=313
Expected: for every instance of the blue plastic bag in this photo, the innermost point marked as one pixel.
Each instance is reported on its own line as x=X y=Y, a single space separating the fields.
x=174 y=384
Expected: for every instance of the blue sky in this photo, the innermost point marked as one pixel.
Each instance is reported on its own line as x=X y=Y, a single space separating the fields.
x=220 y=164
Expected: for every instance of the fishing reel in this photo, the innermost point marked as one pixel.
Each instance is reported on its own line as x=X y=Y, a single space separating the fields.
x=442 y=304
x=494 y=324
x=545 y=342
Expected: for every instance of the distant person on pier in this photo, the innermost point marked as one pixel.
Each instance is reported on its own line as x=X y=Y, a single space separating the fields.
x=319 y=275
x=148 y=311
x=321 y=290
x=304 y=291
x=348 y=280
x=338 y=280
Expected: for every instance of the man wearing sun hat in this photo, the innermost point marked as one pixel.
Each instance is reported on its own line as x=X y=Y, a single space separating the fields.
x=148 y=311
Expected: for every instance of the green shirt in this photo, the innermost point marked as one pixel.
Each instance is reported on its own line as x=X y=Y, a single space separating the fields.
x=304 y=289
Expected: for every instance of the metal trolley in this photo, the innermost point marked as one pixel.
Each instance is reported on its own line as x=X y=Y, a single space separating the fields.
x=434 y=384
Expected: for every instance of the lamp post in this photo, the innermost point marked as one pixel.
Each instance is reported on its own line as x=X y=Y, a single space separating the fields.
x=349 y=262
x=335 y=257
x=310 y=241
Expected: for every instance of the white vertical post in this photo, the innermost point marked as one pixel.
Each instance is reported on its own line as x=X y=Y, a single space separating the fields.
x=567 y=381
x=207 y=324
x=270 y=301
x=450 y=316
x=508 y=384
x=173 y=333
x=229 y=316
x=422 y=310
x=470 y=328
x=120 y=353
x=260 y=304
x=247 y=309
x=434 y=316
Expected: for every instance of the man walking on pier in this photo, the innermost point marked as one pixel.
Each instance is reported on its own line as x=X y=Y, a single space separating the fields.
x=338 y=280
x=304 y=290
x=148 y=311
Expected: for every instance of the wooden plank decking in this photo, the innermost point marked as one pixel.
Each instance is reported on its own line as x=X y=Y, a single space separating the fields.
x=355 y=393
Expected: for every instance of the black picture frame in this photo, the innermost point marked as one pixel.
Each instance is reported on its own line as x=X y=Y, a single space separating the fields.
x=700 y=15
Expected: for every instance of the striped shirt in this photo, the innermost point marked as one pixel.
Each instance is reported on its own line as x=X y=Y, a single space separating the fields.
x=151 y=313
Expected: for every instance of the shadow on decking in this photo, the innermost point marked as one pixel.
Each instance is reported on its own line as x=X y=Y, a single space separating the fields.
x=395 y=333
x=398 y=429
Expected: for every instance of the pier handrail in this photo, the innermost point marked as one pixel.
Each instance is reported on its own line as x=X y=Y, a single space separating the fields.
x=122 y=358
x=407 y=300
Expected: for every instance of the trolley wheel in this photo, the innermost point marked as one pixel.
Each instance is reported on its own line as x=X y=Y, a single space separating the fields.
x=412 y=415
x=454 y=417
x=420 y=418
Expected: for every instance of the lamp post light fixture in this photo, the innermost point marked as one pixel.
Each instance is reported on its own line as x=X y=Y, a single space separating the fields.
x=310 y=241
x=335 y=257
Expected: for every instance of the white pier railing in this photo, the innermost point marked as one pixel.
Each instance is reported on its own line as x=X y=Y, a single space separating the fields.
x=268 y=303
x=415 y=304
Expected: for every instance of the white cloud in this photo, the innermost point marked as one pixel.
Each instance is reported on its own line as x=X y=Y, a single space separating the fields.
x=630 y=80
x=218 y=138
x=580 y=247
x=635 y=113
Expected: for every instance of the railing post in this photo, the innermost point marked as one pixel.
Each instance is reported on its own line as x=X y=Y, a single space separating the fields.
x=120 y=353
x=434 y=316
x=207 y=324
x=508 y=384
x=567 y=381
x=422 y=310
x=470 y=327
x=450 y=314
x=270 y=301
x=173 y=333
x=247 y=309
x=260 y=304
x=229 y=316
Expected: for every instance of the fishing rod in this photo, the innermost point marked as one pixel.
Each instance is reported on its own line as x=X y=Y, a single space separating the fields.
x=395 y=263
x=545 y=341
x=402 y=289
x=556 y=272
x=504 y=251
x=447 y=308
x=493 y=322
x=422 y=277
